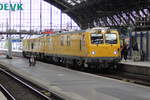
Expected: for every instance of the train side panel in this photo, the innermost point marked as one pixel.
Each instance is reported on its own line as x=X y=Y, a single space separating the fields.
x=66 y=45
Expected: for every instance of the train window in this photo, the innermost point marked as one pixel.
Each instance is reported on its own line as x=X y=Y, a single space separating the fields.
x=111 y=38
x=80 y=44
x=68 y=40
x=97 y=38
x=49 y=41
x=29 y=45
x=62 y=41
x=32 y=45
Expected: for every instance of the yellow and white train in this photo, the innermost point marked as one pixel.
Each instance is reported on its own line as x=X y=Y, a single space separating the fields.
x=97 y=46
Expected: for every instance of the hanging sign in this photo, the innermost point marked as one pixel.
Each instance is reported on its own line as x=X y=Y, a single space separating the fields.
x=11 y=6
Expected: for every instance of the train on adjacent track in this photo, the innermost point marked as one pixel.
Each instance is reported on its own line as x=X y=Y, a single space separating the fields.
x=96 y=47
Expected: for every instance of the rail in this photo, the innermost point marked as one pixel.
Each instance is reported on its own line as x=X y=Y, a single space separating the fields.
x=25 y=84
x=7 y=94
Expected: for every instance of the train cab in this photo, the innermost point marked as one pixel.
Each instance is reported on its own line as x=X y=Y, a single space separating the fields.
x=103 y=44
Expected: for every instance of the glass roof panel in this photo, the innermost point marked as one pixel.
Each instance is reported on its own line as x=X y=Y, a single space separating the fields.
x=74 y=2
x=78 y=1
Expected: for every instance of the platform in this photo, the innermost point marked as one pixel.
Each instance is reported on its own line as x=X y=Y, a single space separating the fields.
x=138 y=67
x=2 y=97
x=74 y=85
x=136 y=63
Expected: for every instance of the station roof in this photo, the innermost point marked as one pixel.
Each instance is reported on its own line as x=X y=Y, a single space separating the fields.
x=90 y=13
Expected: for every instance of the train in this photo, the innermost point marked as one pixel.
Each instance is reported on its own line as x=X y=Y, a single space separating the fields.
x=94 y=47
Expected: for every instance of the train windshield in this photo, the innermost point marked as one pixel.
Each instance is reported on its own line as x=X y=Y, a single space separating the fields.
x=110 y=38
x=97 y=38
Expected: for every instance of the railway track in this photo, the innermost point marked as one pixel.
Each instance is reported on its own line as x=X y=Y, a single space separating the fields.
x=6 y=93
x=16 y=88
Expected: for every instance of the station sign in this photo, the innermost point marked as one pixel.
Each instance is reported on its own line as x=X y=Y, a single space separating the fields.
x=11 y=6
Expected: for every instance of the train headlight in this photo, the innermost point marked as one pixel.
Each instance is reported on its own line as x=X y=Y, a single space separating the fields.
x=115 y=52
x=93 y=52
x=103 y=30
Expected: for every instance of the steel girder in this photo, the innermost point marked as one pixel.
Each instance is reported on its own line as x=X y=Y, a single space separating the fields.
x=89 y=13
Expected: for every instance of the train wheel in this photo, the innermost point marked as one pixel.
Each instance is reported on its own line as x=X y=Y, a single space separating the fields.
x=57 y=60
x=85 y=64
x=66 y=63
x=115 y=67
x=79 y=63
x=99 y=68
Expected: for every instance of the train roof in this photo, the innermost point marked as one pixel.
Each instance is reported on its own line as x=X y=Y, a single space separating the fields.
x=81 y=31
x=32 y=36
x=69 y=32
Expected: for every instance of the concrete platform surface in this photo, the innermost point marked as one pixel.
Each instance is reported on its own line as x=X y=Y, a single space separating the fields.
x=2 y=97
x=74 y=85
x=137 y=63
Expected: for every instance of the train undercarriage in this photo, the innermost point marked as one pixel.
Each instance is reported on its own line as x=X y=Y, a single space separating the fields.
x=77 y=62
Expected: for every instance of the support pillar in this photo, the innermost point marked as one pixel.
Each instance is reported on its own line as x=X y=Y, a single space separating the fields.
x=130 y=35
x=147 y=45
x=9 y=52
x=141 y=40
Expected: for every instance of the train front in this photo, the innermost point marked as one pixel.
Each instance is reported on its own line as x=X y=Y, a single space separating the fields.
x=103 y=46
